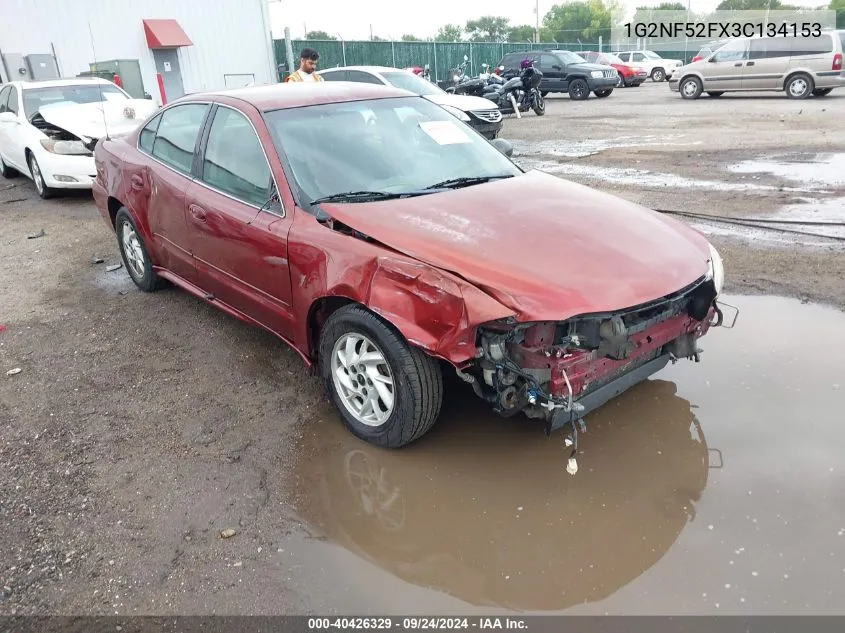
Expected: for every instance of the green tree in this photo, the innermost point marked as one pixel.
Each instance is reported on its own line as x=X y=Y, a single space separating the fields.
x=839 y=7
x=410 y=38
x=488 y=28
x=524 y=33
x=318 y=35
x=449 y=33
x=749 y=5
x=584 y=20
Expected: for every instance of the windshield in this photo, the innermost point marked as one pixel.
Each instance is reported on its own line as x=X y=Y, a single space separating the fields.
x=36 y=98
x=412 y=83
x=608 y=58
x=570 y=58
x=652 y=55
x=387 y=145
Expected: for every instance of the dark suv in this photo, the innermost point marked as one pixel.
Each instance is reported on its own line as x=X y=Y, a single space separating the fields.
x=565 y=71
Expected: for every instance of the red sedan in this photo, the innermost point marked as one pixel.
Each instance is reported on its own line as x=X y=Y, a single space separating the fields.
x=628 y=75
x=387 y=242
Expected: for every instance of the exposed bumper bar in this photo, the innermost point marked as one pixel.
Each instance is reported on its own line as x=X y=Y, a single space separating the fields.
x=600 y=396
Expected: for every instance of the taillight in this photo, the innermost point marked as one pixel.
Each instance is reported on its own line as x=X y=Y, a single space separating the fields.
x=837 y=61
x=695 y=59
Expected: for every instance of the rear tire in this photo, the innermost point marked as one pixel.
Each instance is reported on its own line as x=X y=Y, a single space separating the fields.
x=715 y=94
x=799 y=86
x=134 y=252
x=658 y=74
x=411 y=380
x=579 y=90
x=690 y=88
x=601 y=94
x=540 y=106
x=6 y=171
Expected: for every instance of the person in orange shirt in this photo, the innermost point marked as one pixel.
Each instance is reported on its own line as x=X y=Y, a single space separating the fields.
x=307 y=67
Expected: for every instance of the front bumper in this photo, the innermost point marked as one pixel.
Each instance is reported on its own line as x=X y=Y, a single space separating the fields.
x=602 y=83
x=66 y=172
x=488 y=130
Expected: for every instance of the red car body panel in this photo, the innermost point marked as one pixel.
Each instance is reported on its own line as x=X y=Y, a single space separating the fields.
x=533 y=247
x=570 y=250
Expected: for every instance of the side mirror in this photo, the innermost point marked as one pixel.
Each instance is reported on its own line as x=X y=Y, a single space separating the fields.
x=557 y=67
x=503 y=146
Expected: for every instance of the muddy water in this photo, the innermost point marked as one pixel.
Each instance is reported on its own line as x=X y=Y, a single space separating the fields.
x=716 y=487
x=816 y=169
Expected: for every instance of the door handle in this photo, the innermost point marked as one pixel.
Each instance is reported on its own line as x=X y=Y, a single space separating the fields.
x=136 y=181
x=198 y=213
x=750 y=64
x=738 y=64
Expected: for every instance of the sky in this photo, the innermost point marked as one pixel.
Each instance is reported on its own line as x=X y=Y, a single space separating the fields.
x=351 y=19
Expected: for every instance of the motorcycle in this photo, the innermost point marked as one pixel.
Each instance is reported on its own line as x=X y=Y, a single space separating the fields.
x=474 y=87
x=421 y=71
x=457 y=77
x=520 y=93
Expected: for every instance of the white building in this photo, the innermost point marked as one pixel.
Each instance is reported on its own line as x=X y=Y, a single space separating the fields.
x=185 y=45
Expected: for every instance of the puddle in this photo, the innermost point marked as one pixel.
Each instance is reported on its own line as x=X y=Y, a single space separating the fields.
x=812 y=210
x=114 y=282
x=590 y=147
x=714 y=487
x=820 y=169
x=644 y=178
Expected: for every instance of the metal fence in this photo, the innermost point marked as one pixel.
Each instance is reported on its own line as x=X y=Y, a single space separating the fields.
x=440 y=56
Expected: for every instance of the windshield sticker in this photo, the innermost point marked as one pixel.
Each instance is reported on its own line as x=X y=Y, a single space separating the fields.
x=445 y=132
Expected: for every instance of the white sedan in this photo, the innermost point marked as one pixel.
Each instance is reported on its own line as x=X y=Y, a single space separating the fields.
x=48 y=129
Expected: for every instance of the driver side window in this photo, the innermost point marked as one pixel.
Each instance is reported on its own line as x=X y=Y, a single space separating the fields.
x=639 y=57
x=548 y=62
x=733 y=52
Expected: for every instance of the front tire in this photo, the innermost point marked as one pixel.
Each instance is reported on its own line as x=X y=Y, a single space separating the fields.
x=579 y=90
x=601 y=94
x=799 y=86
x=539 y=105
x=387 y=392
x=134 y=253
x=690 y=88
x=38 y=178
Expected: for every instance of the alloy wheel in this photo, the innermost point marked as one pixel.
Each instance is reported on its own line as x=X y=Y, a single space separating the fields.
x=363 y=379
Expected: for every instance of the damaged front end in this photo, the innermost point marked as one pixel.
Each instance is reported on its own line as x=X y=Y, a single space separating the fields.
x=560 y=371
x=61 y=141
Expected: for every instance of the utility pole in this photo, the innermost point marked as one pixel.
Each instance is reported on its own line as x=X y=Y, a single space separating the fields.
x=371 y=32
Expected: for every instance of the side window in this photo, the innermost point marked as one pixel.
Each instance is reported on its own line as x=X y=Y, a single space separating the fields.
x=4 y=97
x=624 y=56
x=639 y=57
x=234 y=161
x=733 y=52
x=361 y=77
x=177 y=135
x=13 y=100
x=811 y=45
x=148 y=134
x=334 y=75
x=547 y=62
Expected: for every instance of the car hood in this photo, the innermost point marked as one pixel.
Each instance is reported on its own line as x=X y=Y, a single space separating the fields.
x=466 y=103
x=546 y=248
x=96 y=120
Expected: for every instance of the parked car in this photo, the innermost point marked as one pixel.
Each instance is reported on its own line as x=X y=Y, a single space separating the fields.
x=480 y=114
x=799 y=66
x=564 y=71
x=48 y=129
x=655 y=66
x=628 y=75
x=386 y=243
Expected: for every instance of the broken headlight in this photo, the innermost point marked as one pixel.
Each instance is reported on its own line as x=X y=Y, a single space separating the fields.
x=71 y=148
x=716 y=269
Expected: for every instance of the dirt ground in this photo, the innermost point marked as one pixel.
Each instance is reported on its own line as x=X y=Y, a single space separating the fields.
x=141 y=426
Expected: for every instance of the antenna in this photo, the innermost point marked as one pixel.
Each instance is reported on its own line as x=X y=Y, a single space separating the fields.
x=99 y=85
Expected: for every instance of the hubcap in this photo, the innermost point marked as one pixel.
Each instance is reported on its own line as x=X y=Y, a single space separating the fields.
x=362 y=379
x=689 y=88
x=798 y=87
x=36 y=176
x=132 y=250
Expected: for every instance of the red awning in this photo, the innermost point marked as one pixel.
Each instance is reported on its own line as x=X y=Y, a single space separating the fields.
x=165 y=34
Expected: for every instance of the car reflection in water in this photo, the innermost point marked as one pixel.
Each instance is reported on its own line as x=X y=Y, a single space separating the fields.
x=484 y=510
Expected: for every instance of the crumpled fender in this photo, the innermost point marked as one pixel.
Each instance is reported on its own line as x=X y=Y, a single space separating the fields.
x=431 y=308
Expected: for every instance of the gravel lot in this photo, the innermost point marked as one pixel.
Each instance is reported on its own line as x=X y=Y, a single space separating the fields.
x=143 y=425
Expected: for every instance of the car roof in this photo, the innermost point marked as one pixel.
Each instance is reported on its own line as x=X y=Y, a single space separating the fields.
x=70 y=81
x=297 y=95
